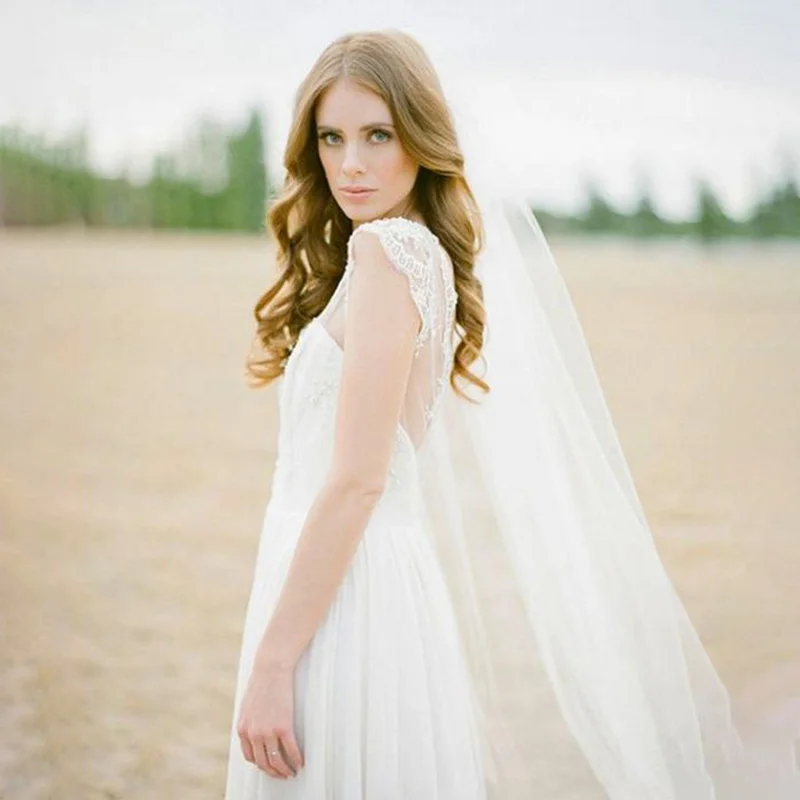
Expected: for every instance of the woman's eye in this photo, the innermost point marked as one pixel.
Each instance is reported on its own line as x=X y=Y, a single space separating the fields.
x=384 y=135
x=329 y=136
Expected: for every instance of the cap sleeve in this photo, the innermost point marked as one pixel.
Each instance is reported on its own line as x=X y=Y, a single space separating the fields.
x=409 y=246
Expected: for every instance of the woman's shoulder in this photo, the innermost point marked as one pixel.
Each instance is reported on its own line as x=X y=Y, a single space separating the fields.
x=402 y=237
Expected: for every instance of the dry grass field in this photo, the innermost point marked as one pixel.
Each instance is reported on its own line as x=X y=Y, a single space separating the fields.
x=135 y=466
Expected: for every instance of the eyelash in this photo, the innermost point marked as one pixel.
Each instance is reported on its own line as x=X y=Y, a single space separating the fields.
x=324 y=136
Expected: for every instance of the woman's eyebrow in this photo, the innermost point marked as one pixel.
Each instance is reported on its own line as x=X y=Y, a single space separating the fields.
x=362 y=128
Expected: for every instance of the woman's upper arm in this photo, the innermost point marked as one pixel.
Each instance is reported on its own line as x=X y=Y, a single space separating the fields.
x=381 y=327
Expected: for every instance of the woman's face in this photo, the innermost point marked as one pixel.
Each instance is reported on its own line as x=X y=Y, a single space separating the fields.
x=360 y=150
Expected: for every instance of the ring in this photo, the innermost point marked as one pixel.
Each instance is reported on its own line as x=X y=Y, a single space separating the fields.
x=273 y=752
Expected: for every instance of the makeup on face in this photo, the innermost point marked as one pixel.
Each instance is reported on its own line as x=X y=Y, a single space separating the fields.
x=367 y=169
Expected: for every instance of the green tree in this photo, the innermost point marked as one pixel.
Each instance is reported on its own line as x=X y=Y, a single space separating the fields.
x=645 y=221
x=599 y=214
x=711 y=221
x=778 y=213
x=246 y=194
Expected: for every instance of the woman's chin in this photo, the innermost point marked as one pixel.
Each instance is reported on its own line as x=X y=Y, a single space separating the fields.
x=358 y=215
x=364 y=211
x=368 y=211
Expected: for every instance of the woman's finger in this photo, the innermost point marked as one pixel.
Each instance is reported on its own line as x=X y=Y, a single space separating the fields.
x=260 y=752
x=293 y=755
x=276 y=758
x=247 y=748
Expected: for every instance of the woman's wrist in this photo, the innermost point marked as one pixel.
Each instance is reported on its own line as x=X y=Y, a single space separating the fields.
x=272 y=658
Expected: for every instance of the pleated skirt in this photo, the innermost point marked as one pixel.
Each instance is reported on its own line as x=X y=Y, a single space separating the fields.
x=384 y=707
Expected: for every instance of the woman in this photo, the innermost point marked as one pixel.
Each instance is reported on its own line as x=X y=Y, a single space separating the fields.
x=456 y=594
x=361 y=618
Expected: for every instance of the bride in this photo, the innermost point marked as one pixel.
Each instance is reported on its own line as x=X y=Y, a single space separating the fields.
x=456 y=594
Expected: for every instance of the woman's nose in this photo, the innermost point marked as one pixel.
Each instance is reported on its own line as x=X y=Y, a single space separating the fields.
x=352 y=164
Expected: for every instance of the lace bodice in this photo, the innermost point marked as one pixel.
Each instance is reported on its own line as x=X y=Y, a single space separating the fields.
x=309 y=387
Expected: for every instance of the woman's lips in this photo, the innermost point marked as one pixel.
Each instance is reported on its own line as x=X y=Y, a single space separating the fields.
x=356 y=194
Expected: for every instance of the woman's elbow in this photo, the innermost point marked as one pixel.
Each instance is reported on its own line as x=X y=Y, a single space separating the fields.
x=365 y=486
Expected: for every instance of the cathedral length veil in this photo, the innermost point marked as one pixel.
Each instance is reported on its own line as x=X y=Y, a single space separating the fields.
x=591 y=679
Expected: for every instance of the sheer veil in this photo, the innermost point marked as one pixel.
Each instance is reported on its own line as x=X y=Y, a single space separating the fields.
x=590 y=677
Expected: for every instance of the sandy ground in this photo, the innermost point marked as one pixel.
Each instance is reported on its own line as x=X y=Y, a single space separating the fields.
x=135 y=467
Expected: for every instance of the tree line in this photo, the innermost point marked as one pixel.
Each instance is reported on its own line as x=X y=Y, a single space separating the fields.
x=775 y=214
x=214 y=180
x=217 y=179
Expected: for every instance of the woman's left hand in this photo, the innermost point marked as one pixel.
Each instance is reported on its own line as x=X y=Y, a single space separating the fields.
x=266 y=722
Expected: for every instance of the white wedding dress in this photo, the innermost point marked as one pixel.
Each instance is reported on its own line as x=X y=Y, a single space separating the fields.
x=384 y=705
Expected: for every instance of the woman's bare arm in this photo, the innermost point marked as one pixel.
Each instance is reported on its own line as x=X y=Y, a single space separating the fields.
x=380 y=330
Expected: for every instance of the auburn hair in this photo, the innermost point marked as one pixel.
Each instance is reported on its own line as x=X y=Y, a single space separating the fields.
x=309 y=228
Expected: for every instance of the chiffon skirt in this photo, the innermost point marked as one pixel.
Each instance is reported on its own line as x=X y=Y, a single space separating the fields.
x=384 y=707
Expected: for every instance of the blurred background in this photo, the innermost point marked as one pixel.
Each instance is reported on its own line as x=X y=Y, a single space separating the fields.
x=659 y=145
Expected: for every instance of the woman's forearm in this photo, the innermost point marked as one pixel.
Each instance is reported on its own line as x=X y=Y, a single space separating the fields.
x=331 y=533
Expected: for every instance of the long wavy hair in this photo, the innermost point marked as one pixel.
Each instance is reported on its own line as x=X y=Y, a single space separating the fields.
x=311 y=231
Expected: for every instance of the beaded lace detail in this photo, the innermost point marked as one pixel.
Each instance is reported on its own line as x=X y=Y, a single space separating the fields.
x=451 y=301
x=411 y=248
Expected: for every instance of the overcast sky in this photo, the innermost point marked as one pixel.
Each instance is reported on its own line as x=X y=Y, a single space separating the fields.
x=563 y=90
